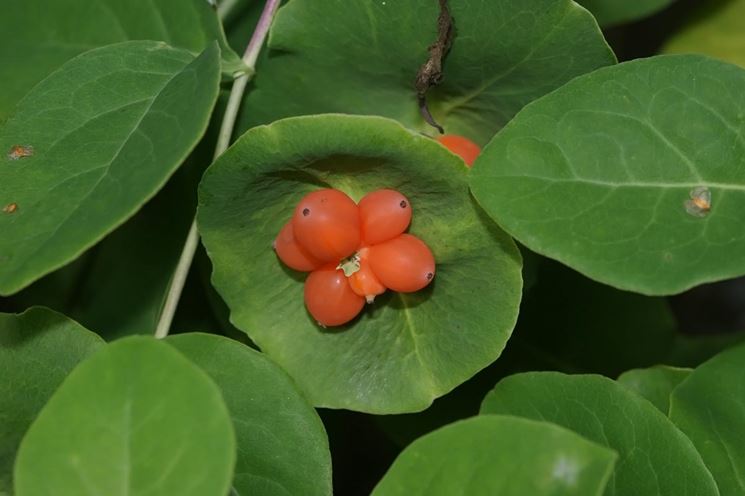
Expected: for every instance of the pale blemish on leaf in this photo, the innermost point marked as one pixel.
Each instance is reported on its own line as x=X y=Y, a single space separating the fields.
x=565 y=470
x=699 y=203
x=20 y=151
x=10 y=208
x=161 y=45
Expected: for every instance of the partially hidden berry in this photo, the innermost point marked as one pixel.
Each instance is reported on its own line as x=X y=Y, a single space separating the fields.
x=291 y=253
x=463 y=147
x=364 y=282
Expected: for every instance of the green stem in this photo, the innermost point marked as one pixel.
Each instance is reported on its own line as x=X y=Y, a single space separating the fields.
x=223 y=141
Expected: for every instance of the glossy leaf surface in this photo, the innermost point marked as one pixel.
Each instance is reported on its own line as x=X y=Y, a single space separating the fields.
x=38 y=348
x=405 y=349
x=107 y=130
x=631 y=175
x=654 y=456
x=38 y=36
x=504 y=55
x=494 y=454
x=655 y=383
x=136 y=418
x=708 y=408
x=282 y=445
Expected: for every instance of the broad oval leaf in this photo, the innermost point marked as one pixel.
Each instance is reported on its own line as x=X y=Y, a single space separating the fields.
x=504 y=55
x=494 y=454
x=38 y=36
x=708 y=407
x=282 y=444
x=631 y=175
x=714 y=29
x=655 y=458
x=136 y=418
x=612 y=12
x=105 y=132
x=405 y=349
x=117 y=288
x=655 y=383
x=38 y=348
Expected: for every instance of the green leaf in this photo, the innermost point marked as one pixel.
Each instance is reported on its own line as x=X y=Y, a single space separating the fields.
x=502 y=455
x=601 y=174
x=282 y=445
x=405 y=349
x=107 y=130
x=117 y=288
x=654 y=383
x=38 y=348
x=505 y=54
x=38 y=36
x=654 y=456
x=714 y=29
x=611 y=12
x=136 y=418
x=708 y=408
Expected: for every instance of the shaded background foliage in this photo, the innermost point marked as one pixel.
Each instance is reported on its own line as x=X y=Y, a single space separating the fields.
x=623 y=330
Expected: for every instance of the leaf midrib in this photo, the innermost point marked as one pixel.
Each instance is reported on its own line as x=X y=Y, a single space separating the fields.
x=409 y=325
x=629 y=184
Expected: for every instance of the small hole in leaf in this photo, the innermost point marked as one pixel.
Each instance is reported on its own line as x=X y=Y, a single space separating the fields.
x=699 y=203
x=19 y=151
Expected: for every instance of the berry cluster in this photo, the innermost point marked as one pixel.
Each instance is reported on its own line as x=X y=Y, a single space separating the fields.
x=353 y=252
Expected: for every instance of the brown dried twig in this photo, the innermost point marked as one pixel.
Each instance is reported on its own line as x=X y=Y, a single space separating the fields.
x=430 y=73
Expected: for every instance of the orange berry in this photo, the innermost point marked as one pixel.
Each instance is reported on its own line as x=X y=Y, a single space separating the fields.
x=403 y=264
x=329 y=298
x=291 y=253
x=463 y=147
x=364 y=282
x=384 y=214
x=327 y=224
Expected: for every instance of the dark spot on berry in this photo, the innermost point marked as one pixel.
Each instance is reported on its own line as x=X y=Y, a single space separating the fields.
x=402 y=204
x=430 y=275
x=306 y=212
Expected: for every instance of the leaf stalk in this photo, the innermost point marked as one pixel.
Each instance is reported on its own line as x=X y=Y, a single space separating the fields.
x=223 y=141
